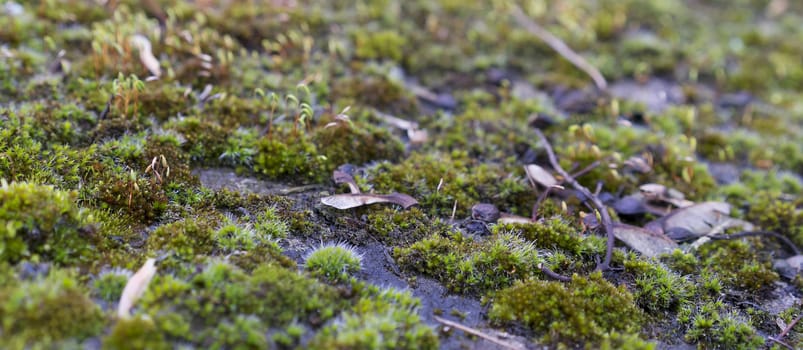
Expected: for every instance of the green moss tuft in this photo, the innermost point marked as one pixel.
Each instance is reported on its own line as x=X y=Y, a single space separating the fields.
x=138 y=333
x=584 y=310
x=40 y=222
x=47 y=310
x=468 y=266
x=384 y=319
x=333 y=262
x=712 y=325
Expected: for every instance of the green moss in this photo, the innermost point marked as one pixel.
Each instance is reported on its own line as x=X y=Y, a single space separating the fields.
x=357 y=144
x=46 y=311
x=402 y=228
x=39 y=222
x=186 y=238
x=468 y=266
x=270 y=225
x=776 y=215
x=712 y=325
x=224 y=293
x=465 y=181
x=556 y=233
x=738 y=264
x=385 y=319
x=109 y=285
x=377 y=45
x=135 y=333
x=291 y=158
x=333 y=262
x=584 y=310
x=655 y=287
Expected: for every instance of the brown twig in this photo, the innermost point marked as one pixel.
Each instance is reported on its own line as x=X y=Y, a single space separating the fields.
x=607 y=223
x=587 y=169
x=779 y=236
x=779 y=338
x=488 y=337
x=559 y=46
x=553 y=274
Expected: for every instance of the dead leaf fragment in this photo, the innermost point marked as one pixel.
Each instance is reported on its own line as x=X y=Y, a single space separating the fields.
x=648 y=243
x=342 y=177
x=505 y=218
x=693 y=221
x=146 y=55
x=789 y=267
x=354 y=200
x=135 y=287
x=540 y=175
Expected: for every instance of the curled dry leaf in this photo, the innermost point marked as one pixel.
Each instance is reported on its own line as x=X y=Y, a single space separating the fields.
x=505 y=218
x=135 y=287
x=416 y=135
x=639 y=164
x=354 y=200
x=661 y=193
x=342 y=177
x=146 y=55
x=646 y=242
x=789 y=267
x=695 y=221
x=540 y=175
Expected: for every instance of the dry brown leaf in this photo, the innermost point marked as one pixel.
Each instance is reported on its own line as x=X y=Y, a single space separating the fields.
x=540 y=175
x=646 y=242
x=135 y=287
x=146 y=55
x=693 y=221
x=341 y=177
x=354 y=200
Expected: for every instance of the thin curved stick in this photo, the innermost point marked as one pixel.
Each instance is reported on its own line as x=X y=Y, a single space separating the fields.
x=559 y=46
x=607 y=223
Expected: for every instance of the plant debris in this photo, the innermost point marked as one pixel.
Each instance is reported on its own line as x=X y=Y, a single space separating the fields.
x=135 y=287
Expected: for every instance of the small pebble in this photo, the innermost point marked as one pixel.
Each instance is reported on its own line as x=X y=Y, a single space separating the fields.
x=485 y=212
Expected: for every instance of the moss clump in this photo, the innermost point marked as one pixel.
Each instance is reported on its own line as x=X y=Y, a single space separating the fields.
x=464 y=180
x=468 y=266
x=584 y=310
x=109 y=285
x=381 y=319
x=377 y=45
x=333 y=262
x=656 y=288
x=738 y=264
x=779 y=216
x=712 y=325
x=138 y=333
x=402 y=228
x=556 y=233
x=186 y=238
x=47 y=310
x=192 y=310
x=357 y=144
x=270 y=225
x=40 y=222
x=292 y=158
